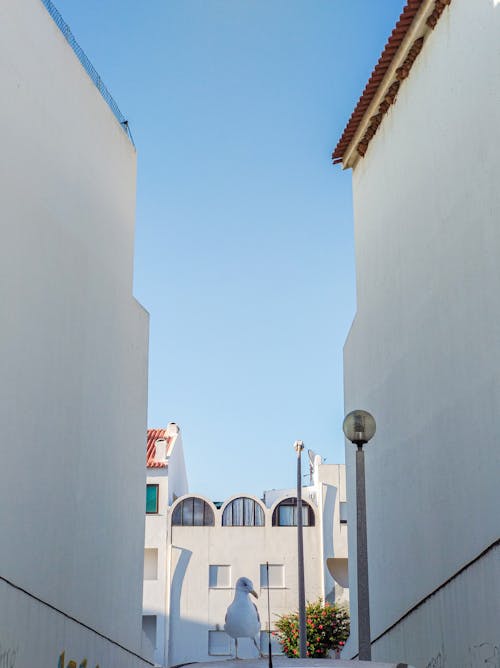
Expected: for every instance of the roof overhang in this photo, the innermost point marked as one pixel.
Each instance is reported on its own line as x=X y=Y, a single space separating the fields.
x=418 y=19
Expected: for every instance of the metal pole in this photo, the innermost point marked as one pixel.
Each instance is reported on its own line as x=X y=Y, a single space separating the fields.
x=299 y=446
x=364 y=643
x=270 y=658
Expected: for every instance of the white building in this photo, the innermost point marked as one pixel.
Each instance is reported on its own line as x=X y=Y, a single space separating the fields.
x=166 y=481
x=423 y=353
x=73 y=359
x=197 y=549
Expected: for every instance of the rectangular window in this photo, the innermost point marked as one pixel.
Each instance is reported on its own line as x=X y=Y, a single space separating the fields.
x=151 y=499
x=149 y=628
x=219 y=576
x=276 y=576
x=219 y=643
x=343 y=512
x=150 y=563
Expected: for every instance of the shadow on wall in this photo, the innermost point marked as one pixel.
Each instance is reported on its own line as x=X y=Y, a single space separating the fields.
x=195 y=640
x=188 y=639
x=177 y=581
x=180 y=630
x=332 y=591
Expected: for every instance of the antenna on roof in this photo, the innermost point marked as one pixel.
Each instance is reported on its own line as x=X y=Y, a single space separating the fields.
x=312 y=456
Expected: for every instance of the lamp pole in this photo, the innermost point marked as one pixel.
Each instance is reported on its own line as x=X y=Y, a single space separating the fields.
x=359 y=427
x=299 y=446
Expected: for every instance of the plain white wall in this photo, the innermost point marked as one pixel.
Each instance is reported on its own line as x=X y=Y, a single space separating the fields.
x=73 y=343
x=471 y=638
x=177 y=475
x=423 y=353
x=33 y=635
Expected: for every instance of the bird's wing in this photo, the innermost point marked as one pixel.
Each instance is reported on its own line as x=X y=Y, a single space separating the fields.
x=256 y=612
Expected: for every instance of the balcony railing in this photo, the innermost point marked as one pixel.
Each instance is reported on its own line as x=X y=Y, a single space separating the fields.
x=87 y=65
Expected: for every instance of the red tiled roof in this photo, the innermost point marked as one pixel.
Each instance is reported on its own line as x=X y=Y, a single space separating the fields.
x=153 y=436
x=380 y=70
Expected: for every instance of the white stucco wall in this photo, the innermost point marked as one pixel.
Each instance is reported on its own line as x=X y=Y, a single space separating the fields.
x=331 y=492
x=467 y=639
x=196 y=608
x=73 y=343
x=31 y=634
x=177 y=475
x=423 y=353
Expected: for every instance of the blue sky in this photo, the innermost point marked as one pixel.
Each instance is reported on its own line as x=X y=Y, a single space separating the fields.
x=244 y=251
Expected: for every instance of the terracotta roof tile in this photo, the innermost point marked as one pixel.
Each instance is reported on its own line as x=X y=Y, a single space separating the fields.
x=394 y=42
x=153 y=436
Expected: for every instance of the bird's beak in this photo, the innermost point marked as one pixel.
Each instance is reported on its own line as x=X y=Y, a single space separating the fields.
x=254 y=593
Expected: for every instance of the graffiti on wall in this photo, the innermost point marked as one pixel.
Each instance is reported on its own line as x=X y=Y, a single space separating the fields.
x=71 y=663
x=437 y=661
x=485 y=654
x=8 y=656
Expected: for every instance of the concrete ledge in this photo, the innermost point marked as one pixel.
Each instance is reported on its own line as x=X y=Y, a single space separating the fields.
x=284 y=662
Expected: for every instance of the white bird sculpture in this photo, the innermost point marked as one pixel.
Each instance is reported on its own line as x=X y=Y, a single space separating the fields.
x=242 y=616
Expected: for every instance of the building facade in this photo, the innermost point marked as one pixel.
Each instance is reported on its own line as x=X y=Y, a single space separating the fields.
x=73 y=359
x=422 y=354
x=196 y=550
x=166 y=481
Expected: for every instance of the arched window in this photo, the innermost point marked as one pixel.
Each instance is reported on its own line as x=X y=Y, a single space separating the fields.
x=193 y=512
x=285 y=514
x=243 y=512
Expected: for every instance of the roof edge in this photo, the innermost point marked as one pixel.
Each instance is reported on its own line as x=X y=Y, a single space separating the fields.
x=170 y=434
x=418 y=19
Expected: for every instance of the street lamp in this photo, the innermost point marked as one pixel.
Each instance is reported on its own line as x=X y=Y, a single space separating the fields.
x=299 y=446
x=359 y=427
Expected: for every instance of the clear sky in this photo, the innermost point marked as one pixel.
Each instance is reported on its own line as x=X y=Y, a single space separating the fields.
x=244 y=253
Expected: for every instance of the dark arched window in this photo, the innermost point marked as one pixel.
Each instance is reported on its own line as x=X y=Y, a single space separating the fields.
x=193 y=512
x=243 y=512
x=285 y=514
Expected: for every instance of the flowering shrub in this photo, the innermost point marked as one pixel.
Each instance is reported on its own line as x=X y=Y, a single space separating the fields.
x=327 y=628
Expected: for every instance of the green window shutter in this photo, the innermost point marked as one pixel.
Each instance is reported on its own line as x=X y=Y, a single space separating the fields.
x=151 y=498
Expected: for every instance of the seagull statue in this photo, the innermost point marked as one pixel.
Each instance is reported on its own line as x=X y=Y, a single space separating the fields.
x=242 y=616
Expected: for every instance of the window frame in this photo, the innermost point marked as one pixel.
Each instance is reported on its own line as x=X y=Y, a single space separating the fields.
x=211 y=571
x=208 y=513
x=263 y=571
x=222 y=634
x=291 y=502
x=150 y=486
x=155 y=625
x=228 y=512
x=147 y=563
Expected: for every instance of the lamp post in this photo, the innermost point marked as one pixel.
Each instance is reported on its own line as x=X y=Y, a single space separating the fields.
x=299 y=446
x=359 y=427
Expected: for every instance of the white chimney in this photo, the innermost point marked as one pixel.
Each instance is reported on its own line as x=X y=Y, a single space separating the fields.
x=172 y=429
x=161 y=450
